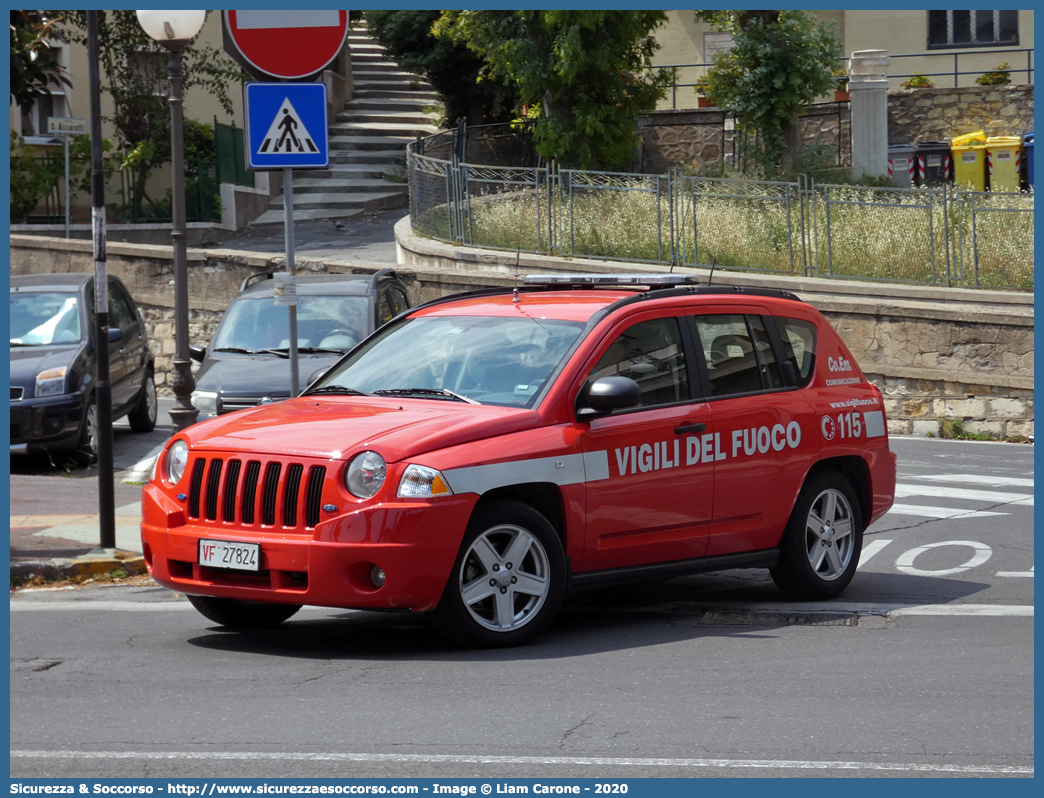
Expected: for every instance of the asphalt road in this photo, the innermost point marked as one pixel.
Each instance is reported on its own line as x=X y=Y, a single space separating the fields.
x=924 y=668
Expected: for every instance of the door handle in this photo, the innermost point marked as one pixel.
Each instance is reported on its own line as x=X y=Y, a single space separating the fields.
x=697 y=427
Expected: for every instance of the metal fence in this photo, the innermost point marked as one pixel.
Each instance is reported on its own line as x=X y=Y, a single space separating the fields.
x=936 y=236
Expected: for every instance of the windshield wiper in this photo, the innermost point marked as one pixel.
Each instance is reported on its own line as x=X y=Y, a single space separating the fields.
x=335 y=389
x=314 y=350
x=241 y=351
x=436 y=393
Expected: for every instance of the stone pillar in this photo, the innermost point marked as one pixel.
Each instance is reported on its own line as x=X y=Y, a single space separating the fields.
x=868 y=85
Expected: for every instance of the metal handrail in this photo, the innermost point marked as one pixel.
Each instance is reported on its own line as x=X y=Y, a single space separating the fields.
x=956 y=73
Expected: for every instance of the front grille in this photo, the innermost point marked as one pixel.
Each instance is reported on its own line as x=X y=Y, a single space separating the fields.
x=16 y=394
x=260 y=491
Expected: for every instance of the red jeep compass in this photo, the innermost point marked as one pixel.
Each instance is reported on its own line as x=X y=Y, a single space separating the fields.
x=484 y=453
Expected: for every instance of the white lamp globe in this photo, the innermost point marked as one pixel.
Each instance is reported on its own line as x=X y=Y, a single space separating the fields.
x=171 y=26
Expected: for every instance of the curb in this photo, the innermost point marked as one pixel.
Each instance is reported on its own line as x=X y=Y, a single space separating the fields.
x=88 y=565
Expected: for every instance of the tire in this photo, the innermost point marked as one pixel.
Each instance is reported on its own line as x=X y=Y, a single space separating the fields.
x=495 y=597
x=143 y=417
x=820 y=548
x=87 y=448
x=242 y=614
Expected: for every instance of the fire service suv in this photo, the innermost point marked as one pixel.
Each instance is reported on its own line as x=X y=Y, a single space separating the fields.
x=483 y=454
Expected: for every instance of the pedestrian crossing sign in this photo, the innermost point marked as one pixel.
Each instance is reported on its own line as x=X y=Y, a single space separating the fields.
x=286 y=126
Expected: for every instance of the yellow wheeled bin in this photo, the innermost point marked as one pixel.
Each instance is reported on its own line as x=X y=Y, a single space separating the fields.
x=1002 y=161
x=969 y=160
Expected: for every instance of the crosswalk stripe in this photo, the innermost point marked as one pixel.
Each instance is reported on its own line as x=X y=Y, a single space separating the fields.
x=939 y=512
x=975 y=479
x=995 y=496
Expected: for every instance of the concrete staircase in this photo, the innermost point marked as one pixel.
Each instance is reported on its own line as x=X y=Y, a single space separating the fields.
x=368 y=141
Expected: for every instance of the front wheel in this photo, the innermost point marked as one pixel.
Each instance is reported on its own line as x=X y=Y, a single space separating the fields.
x=820 y=548
x=87 y=448
x=508 y=580
x=242 y=614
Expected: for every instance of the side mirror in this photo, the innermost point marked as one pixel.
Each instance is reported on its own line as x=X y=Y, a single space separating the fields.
x=606 y=395
x=197 y=353
x=115 y=334
x=313 y=377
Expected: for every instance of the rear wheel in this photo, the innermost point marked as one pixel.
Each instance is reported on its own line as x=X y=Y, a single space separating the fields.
x=820 y=548
x=143 y=417
x=508 y=580
x=242 y=614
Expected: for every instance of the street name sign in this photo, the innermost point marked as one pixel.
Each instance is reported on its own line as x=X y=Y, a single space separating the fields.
x=286 y=126
x=62 y=124
x=284 y=45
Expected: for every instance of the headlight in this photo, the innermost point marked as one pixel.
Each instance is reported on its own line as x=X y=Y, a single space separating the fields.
x=51 y=382
x=365 y=474
x=421 y=481
x=177 y=461
x=206 y=402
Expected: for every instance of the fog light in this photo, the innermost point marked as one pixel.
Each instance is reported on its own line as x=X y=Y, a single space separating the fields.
x=377 y=576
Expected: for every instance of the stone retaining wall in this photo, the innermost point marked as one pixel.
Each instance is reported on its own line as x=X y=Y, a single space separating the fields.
x=696 y=137
x=936 y=353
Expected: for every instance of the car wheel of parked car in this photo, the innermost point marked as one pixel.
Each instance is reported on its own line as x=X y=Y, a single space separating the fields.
x=143 y=417
x=820 y=547
x=88 y=445
x=242 y=614
x=508 y=580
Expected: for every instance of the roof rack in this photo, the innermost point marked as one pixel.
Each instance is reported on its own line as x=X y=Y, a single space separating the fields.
x=592 y=280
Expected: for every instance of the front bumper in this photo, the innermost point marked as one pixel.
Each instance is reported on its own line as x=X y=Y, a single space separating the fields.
x=414 y=543
x=47 y=424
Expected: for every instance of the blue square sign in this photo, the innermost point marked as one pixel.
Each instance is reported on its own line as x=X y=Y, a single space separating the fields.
x=286 y=126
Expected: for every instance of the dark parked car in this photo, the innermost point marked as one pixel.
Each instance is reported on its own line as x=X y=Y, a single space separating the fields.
x=249 y=359
x=54 y=363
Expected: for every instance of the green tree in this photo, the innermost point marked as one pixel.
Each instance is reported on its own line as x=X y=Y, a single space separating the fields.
x=134 y=71
x=452 y=69
x=779 y=63
x=586 y=75
x=34 y=63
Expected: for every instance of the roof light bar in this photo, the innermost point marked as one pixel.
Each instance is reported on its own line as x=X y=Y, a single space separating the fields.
x=651 y=280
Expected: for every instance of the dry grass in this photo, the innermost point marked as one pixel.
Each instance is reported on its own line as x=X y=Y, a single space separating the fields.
x=863 y=233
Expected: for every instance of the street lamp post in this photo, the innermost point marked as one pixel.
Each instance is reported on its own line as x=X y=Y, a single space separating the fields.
x=174 y=30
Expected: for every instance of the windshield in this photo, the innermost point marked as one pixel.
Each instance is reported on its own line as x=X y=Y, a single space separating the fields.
x=335 y=323
x=490 y=360
x=43 y=318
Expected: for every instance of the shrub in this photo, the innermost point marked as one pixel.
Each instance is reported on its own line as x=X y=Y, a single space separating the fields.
x=919 y=81
x=999 y=77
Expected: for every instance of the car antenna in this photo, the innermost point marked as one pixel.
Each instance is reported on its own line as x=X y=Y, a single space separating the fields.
x=518 y=250
x=711 y=275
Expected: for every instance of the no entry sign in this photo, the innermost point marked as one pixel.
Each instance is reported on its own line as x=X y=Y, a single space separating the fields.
x=284 y=45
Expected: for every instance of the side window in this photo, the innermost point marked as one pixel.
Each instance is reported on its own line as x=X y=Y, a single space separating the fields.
x=799 y=346
x=385 y=310
x=651 y=354
x=120 y=311
x=732 y=365
x=399 y=302
x=767 y=365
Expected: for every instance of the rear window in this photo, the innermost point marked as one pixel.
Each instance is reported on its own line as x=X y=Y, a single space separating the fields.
x=799 y=346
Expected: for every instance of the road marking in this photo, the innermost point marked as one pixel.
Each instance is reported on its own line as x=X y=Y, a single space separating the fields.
x=927 y=511
x=598 y=761
x=997 y=497
x=1028 y=573
x=981 y=554
x=869 y=550
x=1007 y=482
x=782 y=607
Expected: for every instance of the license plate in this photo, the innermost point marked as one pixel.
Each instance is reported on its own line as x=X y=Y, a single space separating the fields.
x=225 y=554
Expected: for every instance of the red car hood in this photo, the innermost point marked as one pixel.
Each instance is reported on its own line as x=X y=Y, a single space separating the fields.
x=336 y=427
